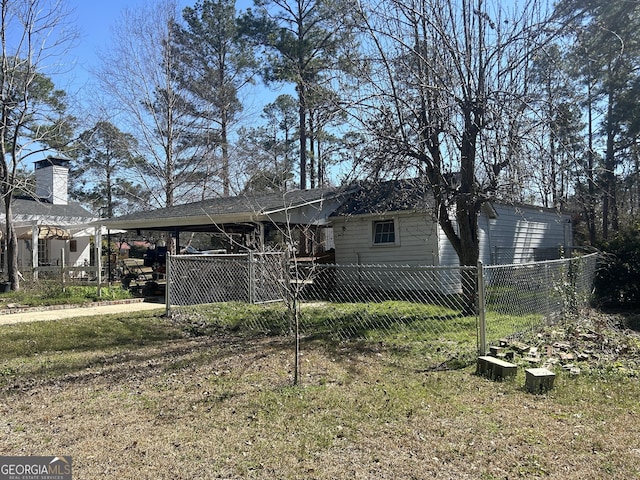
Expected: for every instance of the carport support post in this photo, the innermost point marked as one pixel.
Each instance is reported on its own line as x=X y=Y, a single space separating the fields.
x=35 y=233
x=98 y=249
x=482 y=324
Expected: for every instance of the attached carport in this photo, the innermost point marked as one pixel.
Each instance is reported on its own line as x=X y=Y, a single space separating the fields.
x=243 y=219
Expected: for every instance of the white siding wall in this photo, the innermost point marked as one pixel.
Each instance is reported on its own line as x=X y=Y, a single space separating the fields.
x=55 y=254
x=526 y=234
x=512 y=235
x=416 y=245
x=71 y=259
x=515 y=235
x=486 y=235
x=51 y=184
x=448 y=256
x=416 y=241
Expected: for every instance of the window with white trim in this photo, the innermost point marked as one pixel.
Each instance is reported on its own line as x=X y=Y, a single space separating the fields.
x=384 y=232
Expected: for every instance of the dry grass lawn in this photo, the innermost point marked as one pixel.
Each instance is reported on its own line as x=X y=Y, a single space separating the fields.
x=222 y=407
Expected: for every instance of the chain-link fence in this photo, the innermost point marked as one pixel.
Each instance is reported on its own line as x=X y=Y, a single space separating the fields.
x=384 y=303
x=82 y=275
x=523 y=297
x=434 y=307
x=205 y=279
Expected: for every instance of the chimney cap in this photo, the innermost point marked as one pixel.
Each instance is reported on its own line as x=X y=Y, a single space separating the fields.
x=51 y=161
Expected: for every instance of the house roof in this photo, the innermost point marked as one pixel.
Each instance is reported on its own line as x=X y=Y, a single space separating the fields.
x=376 y=198
x=209 y=215
x=308 y=207
x=28 y=210
x=407 y=195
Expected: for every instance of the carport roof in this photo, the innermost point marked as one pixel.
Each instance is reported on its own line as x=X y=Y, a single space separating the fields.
x=209 y=215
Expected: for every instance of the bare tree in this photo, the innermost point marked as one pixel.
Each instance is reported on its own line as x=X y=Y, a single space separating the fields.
x=446 y=98
x=140 y=75
x=34 y=36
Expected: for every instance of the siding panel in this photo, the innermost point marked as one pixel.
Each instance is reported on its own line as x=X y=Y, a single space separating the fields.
x=417 y=241
x=522 y=234
x=508 y=234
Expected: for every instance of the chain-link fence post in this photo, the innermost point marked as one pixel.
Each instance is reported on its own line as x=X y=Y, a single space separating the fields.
x=482 y=324
x=167 y=288
x=572 y=286
x=252 y=278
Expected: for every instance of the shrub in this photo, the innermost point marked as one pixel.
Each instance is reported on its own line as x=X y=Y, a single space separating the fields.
x=617 y=283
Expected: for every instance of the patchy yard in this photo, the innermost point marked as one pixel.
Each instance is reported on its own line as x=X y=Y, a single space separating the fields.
x=136 y=398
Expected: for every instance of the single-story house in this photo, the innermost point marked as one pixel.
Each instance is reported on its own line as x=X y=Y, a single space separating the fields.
x=369 y=223
x=383 y=223
x=393 y=223
x=50 y=228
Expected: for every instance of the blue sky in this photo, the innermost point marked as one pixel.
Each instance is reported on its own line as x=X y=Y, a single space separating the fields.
x=94 y=21
x=96 y=24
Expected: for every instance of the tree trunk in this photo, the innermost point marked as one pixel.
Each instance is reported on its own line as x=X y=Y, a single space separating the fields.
x=302 y=112
x=591 y=209
x=312 y=141
x=13 y=273
x=224 y=139
x=469 y=253
x=468 y=207
x=609 y=201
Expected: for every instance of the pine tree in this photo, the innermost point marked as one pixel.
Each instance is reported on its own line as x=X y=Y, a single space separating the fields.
x=216 y=62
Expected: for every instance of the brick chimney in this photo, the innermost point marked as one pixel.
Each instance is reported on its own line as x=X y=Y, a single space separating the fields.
x=52 y=175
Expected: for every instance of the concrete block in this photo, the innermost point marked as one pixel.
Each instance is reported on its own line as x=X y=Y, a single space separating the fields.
x=494 y=350
x=520 y=347
x=539 y=380
x=495 y=368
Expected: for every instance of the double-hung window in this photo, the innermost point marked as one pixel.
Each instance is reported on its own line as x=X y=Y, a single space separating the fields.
x=384 y=232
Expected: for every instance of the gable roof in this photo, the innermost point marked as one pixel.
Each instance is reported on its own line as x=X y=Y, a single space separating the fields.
x=377 y=198
x=30 y=210
x=410 y=195
x=206 y=214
